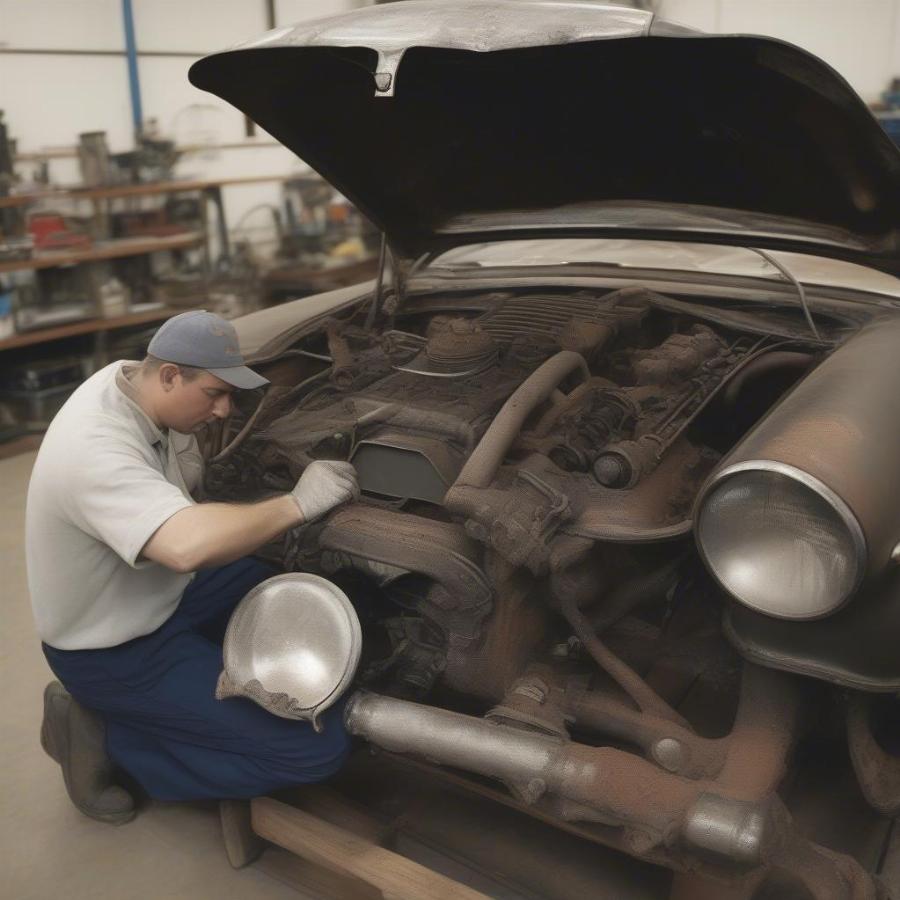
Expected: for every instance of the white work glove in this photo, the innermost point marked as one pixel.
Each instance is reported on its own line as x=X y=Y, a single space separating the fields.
x=324 y=485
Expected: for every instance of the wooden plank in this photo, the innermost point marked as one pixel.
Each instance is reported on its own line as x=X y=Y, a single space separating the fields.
x=31 y=197
x=346 y=853
x=165 y=187
x=313 y=880
x=72 y=151
x=326 y=803
x=111 y=191
x=85 y=326
x=114 y=249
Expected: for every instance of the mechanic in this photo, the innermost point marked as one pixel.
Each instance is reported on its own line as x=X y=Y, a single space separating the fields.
x=132 y=583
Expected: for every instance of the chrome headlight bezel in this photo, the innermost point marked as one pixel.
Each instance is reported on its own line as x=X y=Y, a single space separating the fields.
x=838 y=506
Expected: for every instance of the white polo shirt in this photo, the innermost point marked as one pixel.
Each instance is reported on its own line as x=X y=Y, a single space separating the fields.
x=104 y=481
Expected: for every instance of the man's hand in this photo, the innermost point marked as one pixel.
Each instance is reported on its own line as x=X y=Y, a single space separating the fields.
x=324 y=485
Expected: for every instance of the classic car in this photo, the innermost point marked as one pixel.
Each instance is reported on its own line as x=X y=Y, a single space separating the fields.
x=625 y=411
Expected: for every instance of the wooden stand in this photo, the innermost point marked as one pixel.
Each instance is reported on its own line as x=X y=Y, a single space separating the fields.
x=242 y=845
x=325 y=859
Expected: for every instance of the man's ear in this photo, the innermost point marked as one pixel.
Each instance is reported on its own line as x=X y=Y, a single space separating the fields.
x=167 y=375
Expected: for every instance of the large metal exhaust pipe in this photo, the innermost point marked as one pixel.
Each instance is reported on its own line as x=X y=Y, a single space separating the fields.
x=603 y=783
x=516 y=757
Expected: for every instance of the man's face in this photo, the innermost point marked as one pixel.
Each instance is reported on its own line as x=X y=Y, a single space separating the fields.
x=189 y=405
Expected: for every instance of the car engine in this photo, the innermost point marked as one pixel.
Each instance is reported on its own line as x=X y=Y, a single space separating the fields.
x=531 y=430
x=522 y=556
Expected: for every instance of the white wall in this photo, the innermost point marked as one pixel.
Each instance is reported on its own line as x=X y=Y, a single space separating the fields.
x=49 y=99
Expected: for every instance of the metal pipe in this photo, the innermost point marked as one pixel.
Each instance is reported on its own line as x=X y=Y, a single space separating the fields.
x=379 y=285
x=440 y=550
x=624 y=785
x=602 y=783
x=735 y=819
x=454 y=739
x=693 y=757
x=134 y=82
x=482 y=465
x=801 y=291
x=447 y=426
x=241 y=436
x=764 y=731
x=629 y=680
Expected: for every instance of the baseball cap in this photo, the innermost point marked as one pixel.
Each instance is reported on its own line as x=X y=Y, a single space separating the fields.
x=206 y=341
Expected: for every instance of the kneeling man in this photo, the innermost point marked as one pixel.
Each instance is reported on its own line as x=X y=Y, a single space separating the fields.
x=132 y=583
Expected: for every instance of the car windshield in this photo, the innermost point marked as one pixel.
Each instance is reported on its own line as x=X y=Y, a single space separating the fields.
x=665 y=256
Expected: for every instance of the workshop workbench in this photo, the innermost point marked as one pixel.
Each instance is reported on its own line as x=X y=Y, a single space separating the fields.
x=111 y=191
x=118 y=248
x=103 y=250
x=86 y=326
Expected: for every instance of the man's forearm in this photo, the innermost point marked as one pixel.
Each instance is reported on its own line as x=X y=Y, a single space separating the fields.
x=213 y=534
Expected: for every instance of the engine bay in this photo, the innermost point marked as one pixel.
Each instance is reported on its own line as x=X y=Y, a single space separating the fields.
x=523 y=556
x=508 y=434
x=408 y=408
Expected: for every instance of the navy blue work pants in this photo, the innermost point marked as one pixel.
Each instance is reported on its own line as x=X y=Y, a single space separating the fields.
x=164 y=725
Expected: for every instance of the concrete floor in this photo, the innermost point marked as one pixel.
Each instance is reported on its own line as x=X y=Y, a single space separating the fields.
x=47 y=847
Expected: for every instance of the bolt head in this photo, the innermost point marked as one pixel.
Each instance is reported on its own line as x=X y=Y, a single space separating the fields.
x=668 y=753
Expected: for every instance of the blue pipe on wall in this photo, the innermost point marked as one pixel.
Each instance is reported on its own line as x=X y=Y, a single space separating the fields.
x=134 y=82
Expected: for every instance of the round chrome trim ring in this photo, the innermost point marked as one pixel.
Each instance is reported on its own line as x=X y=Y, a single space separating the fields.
x=810 y=481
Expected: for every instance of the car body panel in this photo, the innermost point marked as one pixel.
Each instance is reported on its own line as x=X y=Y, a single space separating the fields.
x=481 y=133
x=664 y=256
x=847 y=648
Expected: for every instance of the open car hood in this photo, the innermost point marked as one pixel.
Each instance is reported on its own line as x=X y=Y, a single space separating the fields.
x=453 y=122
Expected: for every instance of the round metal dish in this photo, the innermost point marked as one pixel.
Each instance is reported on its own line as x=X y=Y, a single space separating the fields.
x=292 y=645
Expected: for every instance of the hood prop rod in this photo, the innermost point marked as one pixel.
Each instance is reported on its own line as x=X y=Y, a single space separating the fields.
x=801 y=291
x=379 y=284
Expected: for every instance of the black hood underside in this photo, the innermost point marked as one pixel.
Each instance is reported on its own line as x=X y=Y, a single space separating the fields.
x=475 y=145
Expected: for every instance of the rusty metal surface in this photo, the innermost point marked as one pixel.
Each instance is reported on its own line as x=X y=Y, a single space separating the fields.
x=454 y=813
x=610 y=786
x=841 y=425
x=638 y=690
x=736 y=815
x=846 y=410
x=510 y=639
x=541 y=624
x=461 y=596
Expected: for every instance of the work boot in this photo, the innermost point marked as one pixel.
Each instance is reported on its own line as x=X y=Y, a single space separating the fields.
x=76 y=738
